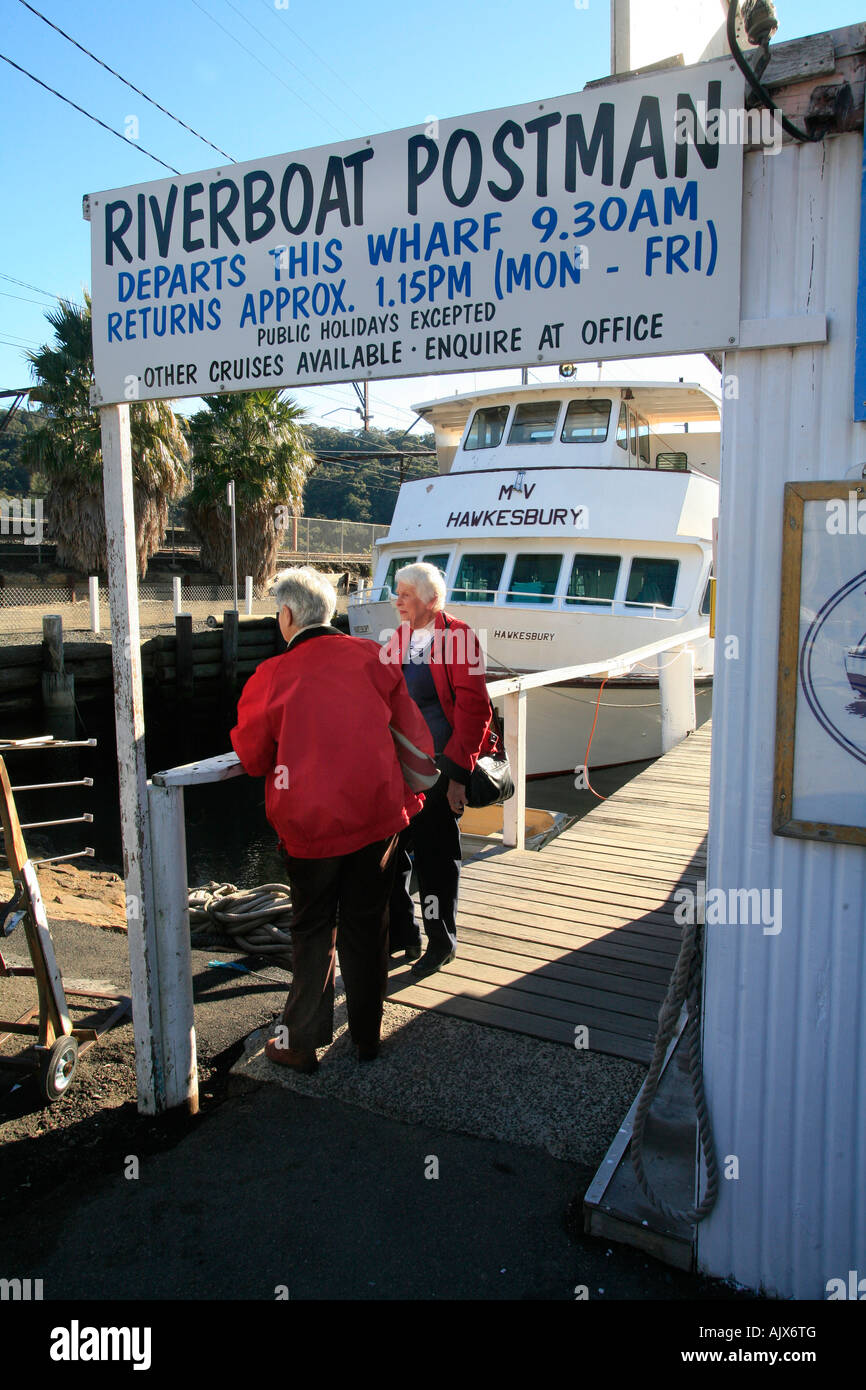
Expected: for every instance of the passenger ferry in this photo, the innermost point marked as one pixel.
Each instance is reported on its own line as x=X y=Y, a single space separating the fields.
x=572 y=522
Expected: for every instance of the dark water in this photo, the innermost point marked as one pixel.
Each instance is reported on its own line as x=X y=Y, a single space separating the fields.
x=228 y=837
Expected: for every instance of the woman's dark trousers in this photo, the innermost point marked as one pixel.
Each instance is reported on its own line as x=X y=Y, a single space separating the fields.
x=339 y=904
x=434 y=836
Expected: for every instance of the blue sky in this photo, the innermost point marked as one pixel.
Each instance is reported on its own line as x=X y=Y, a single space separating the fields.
x=259 y=77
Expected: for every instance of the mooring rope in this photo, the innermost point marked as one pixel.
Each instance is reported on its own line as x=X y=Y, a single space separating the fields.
x=684 y=988
x=256 y=919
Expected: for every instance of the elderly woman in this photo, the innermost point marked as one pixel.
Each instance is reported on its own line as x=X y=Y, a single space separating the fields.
x=442 y=662
x=317 y=723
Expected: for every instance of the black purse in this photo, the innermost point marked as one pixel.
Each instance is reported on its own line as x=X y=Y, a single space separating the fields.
x=490 y=781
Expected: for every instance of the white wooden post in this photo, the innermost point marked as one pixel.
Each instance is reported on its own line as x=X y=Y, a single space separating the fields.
x=129 y=722
x=93 y=586
x=514 y=810
x=175 y=590
x=677 y=695
x=171 y=917
x=248 y=595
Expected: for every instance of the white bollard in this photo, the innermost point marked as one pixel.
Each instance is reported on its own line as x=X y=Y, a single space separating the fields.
x=248 y=595
x=93 y=585
x=677 y=695
x=175 y=589
x=514 y=810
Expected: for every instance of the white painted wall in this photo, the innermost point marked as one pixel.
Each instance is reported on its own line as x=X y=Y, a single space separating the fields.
x=784 y=1020
x=647 y=31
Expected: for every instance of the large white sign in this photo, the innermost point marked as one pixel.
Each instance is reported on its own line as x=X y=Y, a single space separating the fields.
x=604 y=224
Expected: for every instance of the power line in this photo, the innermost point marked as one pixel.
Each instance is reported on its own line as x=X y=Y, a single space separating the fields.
x=377 y=114
x=125 y=81
x=25 y=284
x=134 y=143
x=25 y=299
x=285 y=57
x=258 y=60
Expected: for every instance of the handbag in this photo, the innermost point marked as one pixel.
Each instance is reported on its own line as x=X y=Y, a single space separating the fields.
x=490 y=781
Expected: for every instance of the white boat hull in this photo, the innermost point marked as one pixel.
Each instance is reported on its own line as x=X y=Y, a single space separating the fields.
x=559 y=719
x=559 y=723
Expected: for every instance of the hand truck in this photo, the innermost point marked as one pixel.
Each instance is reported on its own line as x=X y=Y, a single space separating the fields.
x=53 y=1058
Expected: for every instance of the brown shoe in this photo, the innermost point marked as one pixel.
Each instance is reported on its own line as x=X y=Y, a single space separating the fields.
x=291 y=1057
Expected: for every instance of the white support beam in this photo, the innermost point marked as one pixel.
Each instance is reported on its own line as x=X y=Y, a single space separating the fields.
x=796 y=330
x=171 y=910
x=129 y=722
x=93 y=588
x=514 y=810
x=677 y=696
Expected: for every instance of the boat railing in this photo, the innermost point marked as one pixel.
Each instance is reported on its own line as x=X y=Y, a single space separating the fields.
x=551 y=603
x=676 y=677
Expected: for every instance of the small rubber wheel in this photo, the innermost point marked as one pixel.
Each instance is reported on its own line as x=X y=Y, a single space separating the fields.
x=58 y=1068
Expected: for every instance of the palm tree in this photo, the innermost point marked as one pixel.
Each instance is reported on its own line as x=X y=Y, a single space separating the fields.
x=68 y=449
x=257 y=440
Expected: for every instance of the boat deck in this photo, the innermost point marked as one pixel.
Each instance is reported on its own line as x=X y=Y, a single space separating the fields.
x=581 y=935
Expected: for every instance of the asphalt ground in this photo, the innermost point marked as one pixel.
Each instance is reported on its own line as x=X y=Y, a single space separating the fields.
x=451 y=1168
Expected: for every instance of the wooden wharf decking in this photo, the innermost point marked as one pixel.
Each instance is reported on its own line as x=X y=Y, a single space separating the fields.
x=582 y=932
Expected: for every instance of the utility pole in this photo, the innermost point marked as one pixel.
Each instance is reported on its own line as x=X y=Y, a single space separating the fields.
x=363 y=394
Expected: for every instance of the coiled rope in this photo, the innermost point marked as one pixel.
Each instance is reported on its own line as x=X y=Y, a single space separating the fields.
x=684 y=988
x=256 y=919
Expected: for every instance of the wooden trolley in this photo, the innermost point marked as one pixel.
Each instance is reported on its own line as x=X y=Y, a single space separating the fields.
x=53 y=1057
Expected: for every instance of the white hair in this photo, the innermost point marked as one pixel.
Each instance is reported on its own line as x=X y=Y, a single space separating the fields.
x=427 y=582
x=310 y=596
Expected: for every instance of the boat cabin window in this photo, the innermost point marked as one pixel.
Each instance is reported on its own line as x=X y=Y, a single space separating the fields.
x=478 y=578
x=672 y=460
x=593 y=579
x=652 y=582
x=643 y=443
x=396 y=564
x=534 y=579
x=632 y=439
x=534 y=422
x=586 y=422
x=487 y=428
x=622 y=428
x=440 y=561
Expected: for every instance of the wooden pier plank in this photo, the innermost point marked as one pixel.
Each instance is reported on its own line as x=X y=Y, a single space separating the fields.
x=583 y=931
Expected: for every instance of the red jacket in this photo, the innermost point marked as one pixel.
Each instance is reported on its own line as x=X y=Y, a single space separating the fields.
x=462 y=690
x=315 y=723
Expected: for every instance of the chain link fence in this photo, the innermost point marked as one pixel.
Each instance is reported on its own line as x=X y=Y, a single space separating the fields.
x=22 y=609
x=307 y=537
x=23 y=604
x=315 y=538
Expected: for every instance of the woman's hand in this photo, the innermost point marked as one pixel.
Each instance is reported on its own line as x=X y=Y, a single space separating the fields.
x=456 y=796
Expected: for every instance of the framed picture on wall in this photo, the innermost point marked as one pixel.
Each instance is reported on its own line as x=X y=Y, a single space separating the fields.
x=819 y=791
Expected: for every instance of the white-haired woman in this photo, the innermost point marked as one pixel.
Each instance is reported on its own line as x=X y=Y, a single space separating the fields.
x=316 y=722
x=442 y=662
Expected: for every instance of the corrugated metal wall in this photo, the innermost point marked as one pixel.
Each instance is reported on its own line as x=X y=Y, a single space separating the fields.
x=785 y=1015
